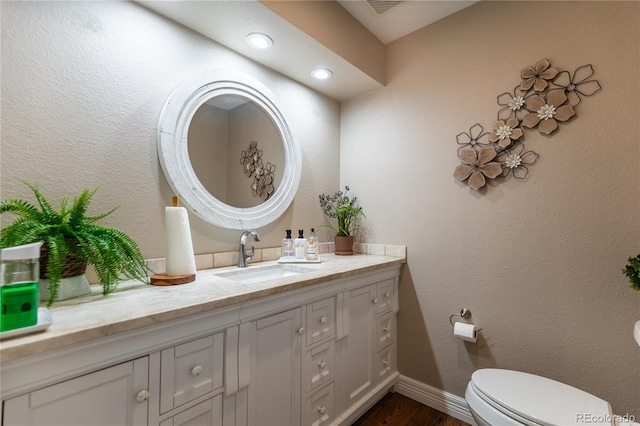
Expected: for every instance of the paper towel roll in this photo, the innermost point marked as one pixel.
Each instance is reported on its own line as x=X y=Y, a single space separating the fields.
x=178 y=245
x=466 y=332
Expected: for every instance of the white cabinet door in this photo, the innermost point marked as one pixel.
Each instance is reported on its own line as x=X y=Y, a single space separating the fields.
x=358 y=349
x=114 y=396
x=274 y=390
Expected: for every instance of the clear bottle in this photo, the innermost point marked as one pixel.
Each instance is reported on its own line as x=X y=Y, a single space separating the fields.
x=300 y=245
x=287 y=247
x=312 y=246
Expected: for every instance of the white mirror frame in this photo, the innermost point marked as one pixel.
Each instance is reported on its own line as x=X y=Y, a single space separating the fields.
x=173 y=128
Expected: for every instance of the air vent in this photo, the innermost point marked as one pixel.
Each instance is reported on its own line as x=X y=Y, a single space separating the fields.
x=383 y=6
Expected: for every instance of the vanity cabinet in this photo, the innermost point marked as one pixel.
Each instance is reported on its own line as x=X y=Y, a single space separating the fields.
x=367 y=351
x=116 y=395
x=295 y=351
x=274 y=399
x=357 y=349
x=190 y=385
x=318 y=355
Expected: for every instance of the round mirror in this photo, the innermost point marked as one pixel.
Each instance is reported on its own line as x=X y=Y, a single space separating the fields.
x=227 y=151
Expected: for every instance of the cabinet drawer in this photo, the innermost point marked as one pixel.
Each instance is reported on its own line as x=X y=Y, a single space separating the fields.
x=190 y=370
x=386 y=362
x=385 y=330
x=384 y=296
x=206 y=413
x=318 y=408
x=318 y=365
x=321 y=320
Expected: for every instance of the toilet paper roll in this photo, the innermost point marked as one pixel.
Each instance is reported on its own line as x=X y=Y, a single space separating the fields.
x=466 y=332
x=178 y=245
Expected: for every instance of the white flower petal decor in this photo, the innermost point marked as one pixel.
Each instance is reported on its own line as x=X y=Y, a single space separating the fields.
x=545 y=98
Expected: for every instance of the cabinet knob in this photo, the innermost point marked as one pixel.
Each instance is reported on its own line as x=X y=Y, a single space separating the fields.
x=386 y=329
x=301 y=330
x=322 y=410
x=142 y=396
x=322 y=364
x=323 y=320
x=385 y=362
x=375 y=301
x=387 y=295
x=196 y=370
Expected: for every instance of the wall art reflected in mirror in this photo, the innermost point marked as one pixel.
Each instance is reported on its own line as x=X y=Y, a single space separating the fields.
x=235 y=150
x=227 y=150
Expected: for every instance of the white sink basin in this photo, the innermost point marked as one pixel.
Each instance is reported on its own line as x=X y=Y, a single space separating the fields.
x=251 y=274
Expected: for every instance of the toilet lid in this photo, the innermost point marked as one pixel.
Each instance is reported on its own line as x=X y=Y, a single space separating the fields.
x=540 y=400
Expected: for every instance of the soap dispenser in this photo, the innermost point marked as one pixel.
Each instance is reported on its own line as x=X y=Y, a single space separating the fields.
x=19 y=292
x=288 y=252
x=301 y=246
x=312 y=247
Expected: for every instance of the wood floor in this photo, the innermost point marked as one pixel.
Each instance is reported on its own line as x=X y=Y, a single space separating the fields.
x=398 y=410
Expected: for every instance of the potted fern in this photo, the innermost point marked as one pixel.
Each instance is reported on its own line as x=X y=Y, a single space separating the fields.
x=71 y=241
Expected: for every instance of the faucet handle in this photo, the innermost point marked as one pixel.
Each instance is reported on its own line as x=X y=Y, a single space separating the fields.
x=253 y=251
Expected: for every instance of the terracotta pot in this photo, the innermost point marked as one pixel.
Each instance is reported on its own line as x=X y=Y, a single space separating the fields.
x=344 y=245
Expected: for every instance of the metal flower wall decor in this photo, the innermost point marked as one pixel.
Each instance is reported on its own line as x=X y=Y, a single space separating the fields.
x=261 y=175
x=544 y=98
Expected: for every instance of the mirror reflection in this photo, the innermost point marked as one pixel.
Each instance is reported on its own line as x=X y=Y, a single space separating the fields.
x=202 y=161
x=236 y=150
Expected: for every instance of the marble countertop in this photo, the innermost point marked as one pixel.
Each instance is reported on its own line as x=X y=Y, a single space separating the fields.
x=136 y=305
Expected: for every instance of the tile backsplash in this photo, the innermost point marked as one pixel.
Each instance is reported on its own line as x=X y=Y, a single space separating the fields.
x=230 y=258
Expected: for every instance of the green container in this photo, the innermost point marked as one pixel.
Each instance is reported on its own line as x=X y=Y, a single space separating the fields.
x=19 y=305
x=19 y=293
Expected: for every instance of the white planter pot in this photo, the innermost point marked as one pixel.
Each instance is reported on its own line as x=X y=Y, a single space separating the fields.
x=69 y=288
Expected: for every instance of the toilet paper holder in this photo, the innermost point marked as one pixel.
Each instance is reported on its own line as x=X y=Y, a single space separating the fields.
x=464 y=313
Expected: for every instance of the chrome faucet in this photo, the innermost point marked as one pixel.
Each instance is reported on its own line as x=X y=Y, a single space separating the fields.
x=243 y=256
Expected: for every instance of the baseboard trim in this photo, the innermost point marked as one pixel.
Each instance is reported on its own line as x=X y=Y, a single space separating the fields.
x=435 y=398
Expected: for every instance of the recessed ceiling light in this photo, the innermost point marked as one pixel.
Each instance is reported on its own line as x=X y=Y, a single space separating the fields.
x=259 y=41
x=321 y=73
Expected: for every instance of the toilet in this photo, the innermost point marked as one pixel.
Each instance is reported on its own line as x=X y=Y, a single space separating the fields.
x=499 y=397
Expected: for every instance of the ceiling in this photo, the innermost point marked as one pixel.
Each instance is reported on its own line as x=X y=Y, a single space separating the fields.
x=294 y=53
x=406 y=17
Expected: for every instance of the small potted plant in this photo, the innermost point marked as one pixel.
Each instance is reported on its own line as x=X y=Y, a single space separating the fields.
x=348 y=212
x=71 y=241
x=632 y=271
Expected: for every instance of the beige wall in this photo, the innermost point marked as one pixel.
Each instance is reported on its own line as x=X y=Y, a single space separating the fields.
x=83 y=84
x=208 y=145
x=538 y=263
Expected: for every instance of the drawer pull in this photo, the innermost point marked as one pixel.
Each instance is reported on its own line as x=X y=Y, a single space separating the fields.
x=323 y=320
x=386 y=329
x=375 y=301
x=322 y=364
x=196 y=370
x=387 y=295
x=142 y=396
x=301 y=330
x=385 y=362
x=322 y=410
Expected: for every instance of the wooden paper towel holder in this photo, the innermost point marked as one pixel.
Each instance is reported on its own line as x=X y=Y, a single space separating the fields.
x=163 y=279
